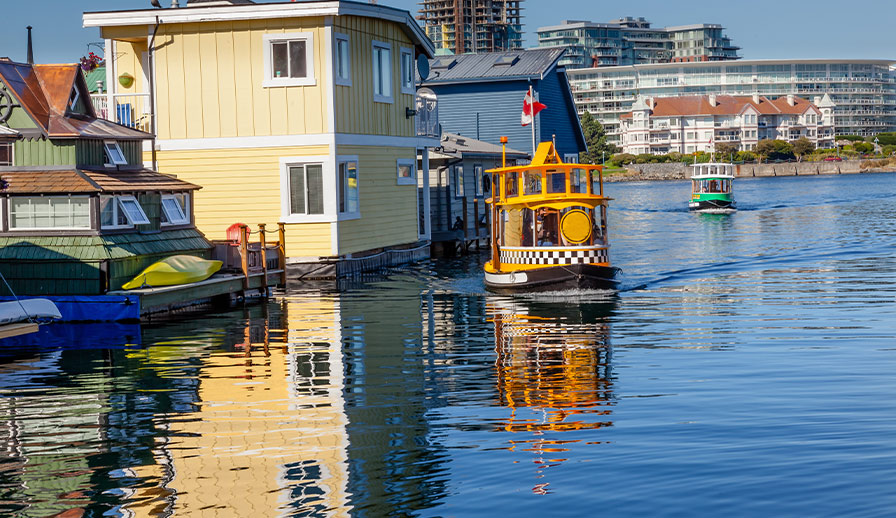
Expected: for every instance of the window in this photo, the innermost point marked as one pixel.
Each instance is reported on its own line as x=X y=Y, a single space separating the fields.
x=111 y=213
x=133 y=210
x=407 y=71
x=531 y=183
x=479 y=178
x=49 y=212
x=306 y=189
x=114 y=155
x=6 y=153
x=175 y=210
x=382 y=72
x=73 y=99
x=407 y=172
x=511 y=184
x=289 y=59
x=459 y=181
x=343 y=63
x=348 y=188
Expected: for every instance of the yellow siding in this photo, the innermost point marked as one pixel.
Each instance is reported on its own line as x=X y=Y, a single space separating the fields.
x=128 y=60
x=356 y=112
x=243 y=186
x=210 y=81
x=388 y=210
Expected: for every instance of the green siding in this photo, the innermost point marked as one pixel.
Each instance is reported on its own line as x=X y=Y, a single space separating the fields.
x=39 y=151
x=91 y=152
x=70 y=265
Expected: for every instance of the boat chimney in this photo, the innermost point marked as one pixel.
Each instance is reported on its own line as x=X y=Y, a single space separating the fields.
x=756 y=98
x=30 y=54
x=790 y=100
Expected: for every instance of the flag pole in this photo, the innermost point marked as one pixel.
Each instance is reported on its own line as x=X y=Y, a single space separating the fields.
x=532 y=111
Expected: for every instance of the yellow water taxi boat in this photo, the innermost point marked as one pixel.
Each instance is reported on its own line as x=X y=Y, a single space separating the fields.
x=549 y=227
x=174 y=270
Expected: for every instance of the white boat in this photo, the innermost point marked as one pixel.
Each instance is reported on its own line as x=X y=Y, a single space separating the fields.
x=19 y=317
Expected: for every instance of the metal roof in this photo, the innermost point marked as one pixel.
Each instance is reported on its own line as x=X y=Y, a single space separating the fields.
x=458 y=146
x=493 y=66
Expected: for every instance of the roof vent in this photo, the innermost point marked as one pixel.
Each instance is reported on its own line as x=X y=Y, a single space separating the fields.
x=507 y=60
x=445 y=63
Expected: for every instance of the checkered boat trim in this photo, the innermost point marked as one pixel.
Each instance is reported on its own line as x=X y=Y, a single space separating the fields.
x=588 y=256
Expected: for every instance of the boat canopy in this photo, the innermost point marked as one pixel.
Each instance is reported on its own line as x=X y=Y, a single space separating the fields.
x=713 y=170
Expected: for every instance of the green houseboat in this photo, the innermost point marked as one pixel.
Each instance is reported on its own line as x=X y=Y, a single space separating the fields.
x=711 y=188
x=79 y=213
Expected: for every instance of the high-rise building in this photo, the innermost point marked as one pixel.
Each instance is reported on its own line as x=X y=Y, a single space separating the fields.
x=632 y=41
x=473 y=26
x=862 y=90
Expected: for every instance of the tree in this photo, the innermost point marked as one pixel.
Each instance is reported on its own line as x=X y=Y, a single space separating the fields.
x=802 y=147
x=596 y=141
x=764 y=148
x=725 y=149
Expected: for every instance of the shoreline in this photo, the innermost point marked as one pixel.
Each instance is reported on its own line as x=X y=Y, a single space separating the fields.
x=678 y=171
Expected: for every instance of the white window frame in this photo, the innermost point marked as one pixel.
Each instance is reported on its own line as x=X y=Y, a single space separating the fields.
x=115 y=209
x=380 y=98
x=412 y=163
x=478 y=175
x=74 y=102
x=406 y=88
x=134 y=219
x=458 y=179
x=339 y=80
x=33 y=229
x=272 y=82
x=184 y=211
x=111 y=147
x=344 y=160
x=331 y=207
x=12 y=153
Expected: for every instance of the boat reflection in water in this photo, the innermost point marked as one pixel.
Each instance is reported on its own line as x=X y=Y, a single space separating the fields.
x=553 y=374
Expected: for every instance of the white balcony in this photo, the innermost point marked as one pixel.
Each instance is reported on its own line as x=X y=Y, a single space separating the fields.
x=131 y=110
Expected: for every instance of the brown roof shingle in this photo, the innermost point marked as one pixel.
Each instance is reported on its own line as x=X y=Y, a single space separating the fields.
x=725 y=105
x=76 y=181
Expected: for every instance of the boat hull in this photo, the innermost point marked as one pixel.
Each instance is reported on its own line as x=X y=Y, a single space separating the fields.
x=708 y=205
x=553 y=278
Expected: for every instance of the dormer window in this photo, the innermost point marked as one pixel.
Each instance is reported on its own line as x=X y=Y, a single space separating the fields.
x=73 y=99
x=175 y=209
x=114 y=155
x=121 y=212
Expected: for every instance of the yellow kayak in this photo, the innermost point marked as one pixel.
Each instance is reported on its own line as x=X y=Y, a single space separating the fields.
x=174 y=270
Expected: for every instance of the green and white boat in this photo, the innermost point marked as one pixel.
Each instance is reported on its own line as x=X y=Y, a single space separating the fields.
x=711 y=187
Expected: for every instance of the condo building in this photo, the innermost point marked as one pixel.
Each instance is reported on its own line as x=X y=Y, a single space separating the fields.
x=862 y=90
x=632 y=41
x=463 y=26
x=698 y=123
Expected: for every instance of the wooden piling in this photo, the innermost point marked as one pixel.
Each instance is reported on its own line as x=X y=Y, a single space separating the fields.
x=281 y=251
x=264 y=257
x=244 y=254
x=476 y=221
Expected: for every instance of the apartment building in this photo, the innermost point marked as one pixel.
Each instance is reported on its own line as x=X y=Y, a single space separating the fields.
x=632 y=41
x=863 y=90
x=462 y=27
x=698 y=123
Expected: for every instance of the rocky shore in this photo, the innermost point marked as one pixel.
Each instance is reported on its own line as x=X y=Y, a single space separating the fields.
x=678 y=171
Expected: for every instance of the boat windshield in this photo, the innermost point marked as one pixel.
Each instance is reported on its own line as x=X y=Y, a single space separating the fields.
x=549 y=227
x=714 y=185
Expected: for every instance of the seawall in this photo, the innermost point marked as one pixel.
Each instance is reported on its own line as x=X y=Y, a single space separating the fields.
x=679 y=171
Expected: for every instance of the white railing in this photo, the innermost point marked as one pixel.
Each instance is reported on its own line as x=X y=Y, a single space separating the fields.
x=131 y=110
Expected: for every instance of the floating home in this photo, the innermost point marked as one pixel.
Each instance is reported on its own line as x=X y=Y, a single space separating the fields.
x=459 y=186
x=81 y=215
x=294 y=112
x=481 y=96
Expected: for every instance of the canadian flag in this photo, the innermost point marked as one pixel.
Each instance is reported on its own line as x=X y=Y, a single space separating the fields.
x=530 y=109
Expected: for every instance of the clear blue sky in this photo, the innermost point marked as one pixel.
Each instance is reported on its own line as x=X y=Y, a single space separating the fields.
x=763 y=28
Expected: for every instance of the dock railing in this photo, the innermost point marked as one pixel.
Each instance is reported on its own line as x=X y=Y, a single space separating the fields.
x=250 y=257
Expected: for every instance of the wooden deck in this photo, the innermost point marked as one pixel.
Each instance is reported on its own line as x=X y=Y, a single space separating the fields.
x=169 y=299
x=21 y=328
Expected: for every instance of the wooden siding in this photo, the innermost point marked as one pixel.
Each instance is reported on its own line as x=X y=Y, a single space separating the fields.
x=129 y=60
x=388 y=210
x=445 y=206
x=18 y=117
x=243 y=186
x=209 y=82
x=499 y=105
x=356 y=112
x=39 y=151
x=92 y=152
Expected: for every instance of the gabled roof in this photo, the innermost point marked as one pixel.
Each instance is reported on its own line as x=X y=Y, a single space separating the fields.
x=43 y=91
x=459 y=146
x=726 y=105
x=512 y=65
x=216 y=12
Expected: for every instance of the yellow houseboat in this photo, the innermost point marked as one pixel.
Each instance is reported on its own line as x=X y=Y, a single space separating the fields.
x=549 y=227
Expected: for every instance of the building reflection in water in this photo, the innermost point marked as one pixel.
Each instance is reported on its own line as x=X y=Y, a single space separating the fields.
x=553 y=373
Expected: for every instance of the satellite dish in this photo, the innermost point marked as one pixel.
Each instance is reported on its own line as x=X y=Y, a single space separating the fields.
x=423 y=67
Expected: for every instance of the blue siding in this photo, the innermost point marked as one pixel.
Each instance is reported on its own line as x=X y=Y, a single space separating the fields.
x=499 y=105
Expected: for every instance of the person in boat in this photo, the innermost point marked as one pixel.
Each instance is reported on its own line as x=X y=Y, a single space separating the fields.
x=527 y=232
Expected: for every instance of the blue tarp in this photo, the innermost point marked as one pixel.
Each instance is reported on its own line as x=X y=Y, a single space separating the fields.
x=103 y=335
x=94 y=308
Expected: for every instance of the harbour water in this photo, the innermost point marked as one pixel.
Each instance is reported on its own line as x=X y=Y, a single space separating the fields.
x=745 y=368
